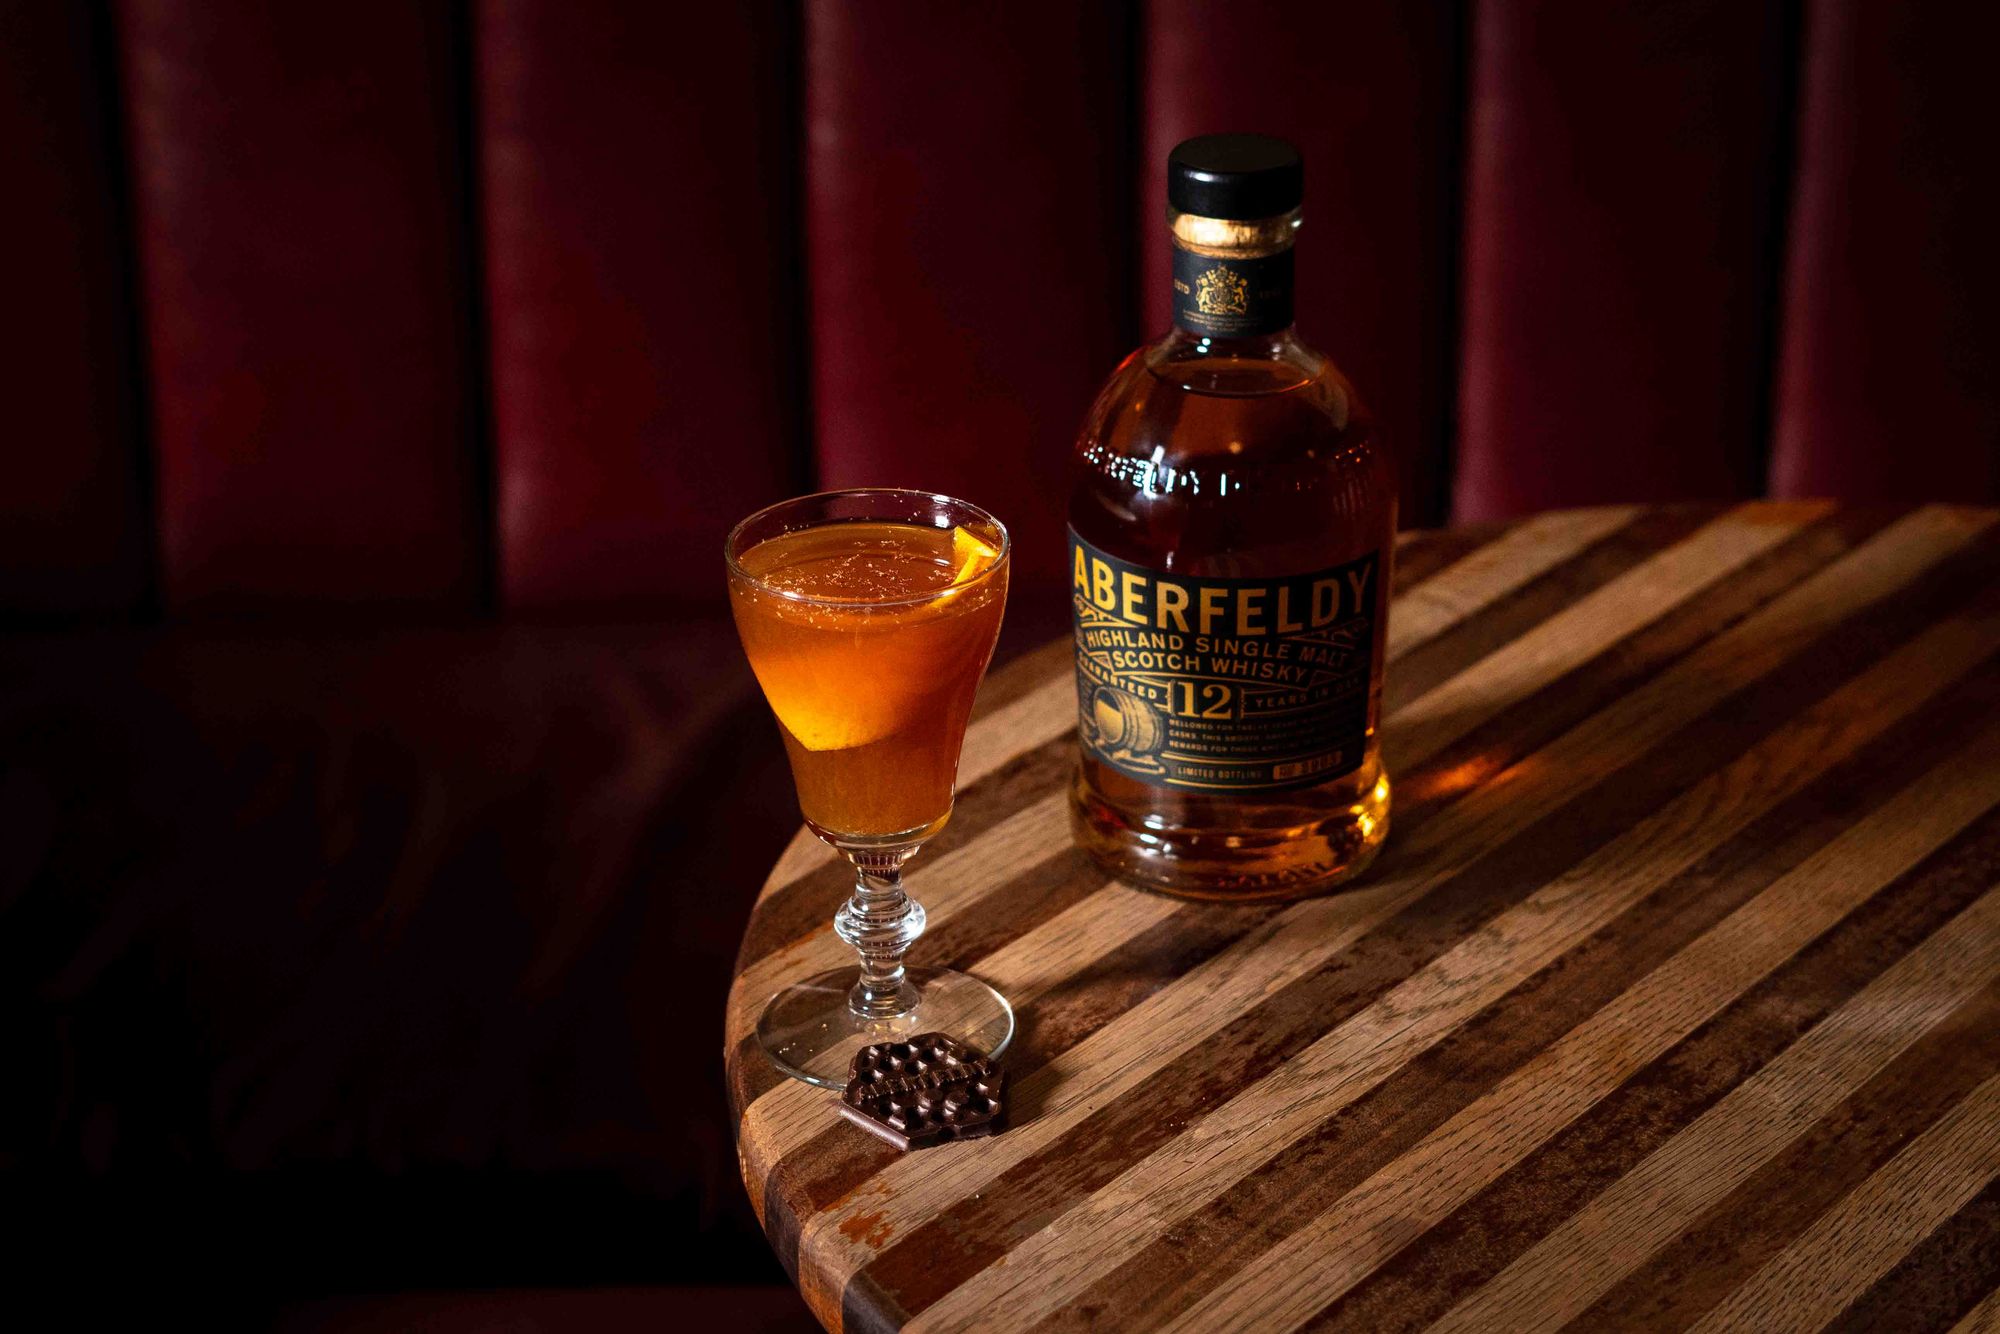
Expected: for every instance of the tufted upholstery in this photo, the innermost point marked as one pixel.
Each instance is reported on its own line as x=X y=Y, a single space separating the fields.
x=514 y=308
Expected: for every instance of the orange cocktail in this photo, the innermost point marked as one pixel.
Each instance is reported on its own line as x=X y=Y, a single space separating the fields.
x=868 y=617
x=869 y=639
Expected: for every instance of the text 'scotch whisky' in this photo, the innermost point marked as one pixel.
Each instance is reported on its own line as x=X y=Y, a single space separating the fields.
x=1232 y=522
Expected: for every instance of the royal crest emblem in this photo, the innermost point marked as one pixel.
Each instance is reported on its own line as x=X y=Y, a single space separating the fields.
x=1220 y=292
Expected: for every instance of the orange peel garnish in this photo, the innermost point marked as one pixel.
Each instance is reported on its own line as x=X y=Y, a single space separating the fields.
x=970 y=556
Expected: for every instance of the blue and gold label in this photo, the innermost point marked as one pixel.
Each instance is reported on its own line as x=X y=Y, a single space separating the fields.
x=1231 y=685
x=1232 y=298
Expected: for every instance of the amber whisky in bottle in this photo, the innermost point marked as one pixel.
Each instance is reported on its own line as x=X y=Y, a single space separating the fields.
x=1232 y=521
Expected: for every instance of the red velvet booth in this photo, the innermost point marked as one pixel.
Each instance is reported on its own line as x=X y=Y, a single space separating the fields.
x=380 y=788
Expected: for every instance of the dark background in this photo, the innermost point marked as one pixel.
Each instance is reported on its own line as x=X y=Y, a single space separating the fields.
x=381 y=790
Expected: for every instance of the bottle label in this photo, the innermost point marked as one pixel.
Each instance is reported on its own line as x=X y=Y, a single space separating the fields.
x=1231 y=685
x=1232 y=298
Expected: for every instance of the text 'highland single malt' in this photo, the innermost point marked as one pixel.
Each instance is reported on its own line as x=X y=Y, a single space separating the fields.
x=1232 y=524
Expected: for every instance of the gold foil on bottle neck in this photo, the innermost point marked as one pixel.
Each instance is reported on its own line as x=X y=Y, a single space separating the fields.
x=1234 y=238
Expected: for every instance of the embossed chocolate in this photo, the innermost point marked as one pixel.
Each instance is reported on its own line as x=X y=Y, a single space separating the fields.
x=923 y=1091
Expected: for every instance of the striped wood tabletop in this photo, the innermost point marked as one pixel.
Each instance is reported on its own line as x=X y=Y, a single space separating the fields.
x=1674 y=1000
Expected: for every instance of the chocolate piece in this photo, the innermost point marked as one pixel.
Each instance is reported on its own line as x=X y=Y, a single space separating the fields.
x=925 y=1090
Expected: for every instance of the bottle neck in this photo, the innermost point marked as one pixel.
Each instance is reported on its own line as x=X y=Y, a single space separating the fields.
x=1232 y=296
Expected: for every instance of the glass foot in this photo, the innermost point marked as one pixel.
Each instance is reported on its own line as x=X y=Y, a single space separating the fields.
x=809 y=1032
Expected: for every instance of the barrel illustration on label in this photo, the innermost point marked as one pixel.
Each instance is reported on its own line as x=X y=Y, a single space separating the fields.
x=1118 y=724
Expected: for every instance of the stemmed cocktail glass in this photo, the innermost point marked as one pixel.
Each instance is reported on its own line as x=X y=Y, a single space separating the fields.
x=868 y=617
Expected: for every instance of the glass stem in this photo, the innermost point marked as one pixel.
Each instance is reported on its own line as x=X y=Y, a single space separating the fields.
x=881 y=922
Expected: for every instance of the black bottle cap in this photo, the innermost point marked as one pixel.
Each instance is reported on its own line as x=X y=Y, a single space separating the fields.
x=1239 y=176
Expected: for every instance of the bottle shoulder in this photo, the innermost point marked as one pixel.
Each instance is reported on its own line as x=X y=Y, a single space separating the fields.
x=1239 y=368
x=1205 y=458
x=1185 y=401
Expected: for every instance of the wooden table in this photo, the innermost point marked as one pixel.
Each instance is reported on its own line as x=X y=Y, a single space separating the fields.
x=1675 y=998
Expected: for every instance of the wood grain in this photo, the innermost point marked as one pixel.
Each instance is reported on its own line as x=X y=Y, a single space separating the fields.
x=1983 y=1318
x=1648 y=1206
x=1443 y=1172
x=1697 y=815
x=1815 y=1277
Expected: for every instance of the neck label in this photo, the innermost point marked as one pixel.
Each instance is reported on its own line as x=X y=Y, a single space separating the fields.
x=1232 y=298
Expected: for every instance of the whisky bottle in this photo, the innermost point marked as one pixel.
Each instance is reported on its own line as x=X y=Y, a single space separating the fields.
x=1232 y=522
